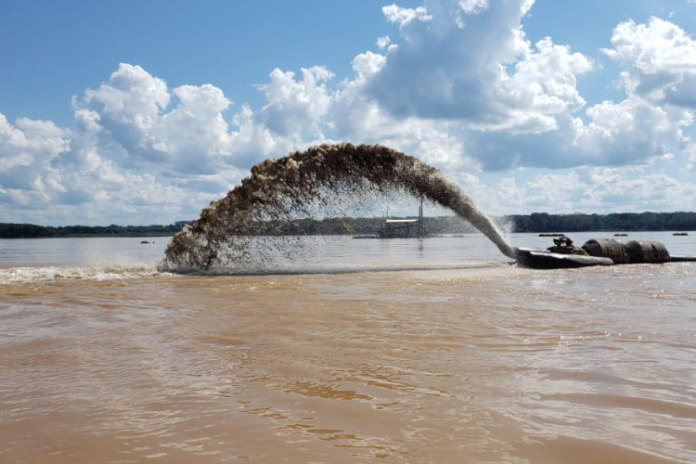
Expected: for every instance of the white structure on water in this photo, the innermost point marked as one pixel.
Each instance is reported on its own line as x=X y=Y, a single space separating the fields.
x=403 y=228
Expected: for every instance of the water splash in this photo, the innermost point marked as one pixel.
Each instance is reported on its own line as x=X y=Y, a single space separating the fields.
x=280 y=190
x=98 y=273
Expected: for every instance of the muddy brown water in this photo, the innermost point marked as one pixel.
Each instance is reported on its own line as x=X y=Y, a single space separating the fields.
x=483 y=363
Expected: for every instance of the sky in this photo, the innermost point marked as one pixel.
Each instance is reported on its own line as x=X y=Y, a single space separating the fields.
x=136 y=112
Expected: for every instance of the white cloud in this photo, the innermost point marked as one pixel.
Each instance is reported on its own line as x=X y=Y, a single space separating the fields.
x=131 y=108
x=183 y=131
x=660 y=61
x=383 y=42
x=689 y=148
x=58 y=175
x=140 y=149
x=129 y=104
x=505 y=104
x=547 y=78
x=464 y=89
x=295 y=107
x=438 y=73
x=403 y=16
x=597 y=190
x=359 y=119
x=502 y=104
x=26 y=151
x=628 y=133
x=254 y=142
x=473 y=6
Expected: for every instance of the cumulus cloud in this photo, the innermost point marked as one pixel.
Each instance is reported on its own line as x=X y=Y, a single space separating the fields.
x=659 y=59
x=27 y=149
x=383 y=42
x=184 y=131
x=473 y=6
x=501 y=82
x=461 y=86
x=403 y=16
x=597 y=190
x=53 y=174
x=690 y=149
x=295 y=107
x=506 y=104
x=358 y=118
x=138 y=147
x=138 y=128
x=627 y=133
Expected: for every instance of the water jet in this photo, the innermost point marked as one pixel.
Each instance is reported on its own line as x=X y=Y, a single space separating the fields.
x=279 y=189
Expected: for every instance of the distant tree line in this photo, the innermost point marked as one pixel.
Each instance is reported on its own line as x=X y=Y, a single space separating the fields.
x=331 y=226
x=34 y=231
x=349 y=226
x=628 y=222
x=536 y=222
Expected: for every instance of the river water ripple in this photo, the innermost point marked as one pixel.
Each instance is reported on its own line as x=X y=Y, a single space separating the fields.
x=480 y=363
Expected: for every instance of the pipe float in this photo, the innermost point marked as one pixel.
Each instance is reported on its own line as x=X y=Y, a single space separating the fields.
x=596 y=252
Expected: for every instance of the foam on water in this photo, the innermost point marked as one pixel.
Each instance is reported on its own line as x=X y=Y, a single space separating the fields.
x=99 y=272
x=322 y=179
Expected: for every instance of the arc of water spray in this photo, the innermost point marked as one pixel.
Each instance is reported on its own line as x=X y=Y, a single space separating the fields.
x=277 y=186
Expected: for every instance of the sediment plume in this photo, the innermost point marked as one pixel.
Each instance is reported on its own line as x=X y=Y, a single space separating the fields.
x=286 y=188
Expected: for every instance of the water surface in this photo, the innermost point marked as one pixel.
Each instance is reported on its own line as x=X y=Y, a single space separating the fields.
x=102 y=359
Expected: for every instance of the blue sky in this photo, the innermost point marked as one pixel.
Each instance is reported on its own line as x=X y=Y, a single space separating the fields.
x=61 y=48
x=142 y=112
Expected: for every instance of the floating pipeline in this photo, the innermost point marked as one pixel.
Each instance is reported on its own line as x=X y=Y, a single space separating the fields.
x=540 y=259
x=601 y=252
x=280 y=188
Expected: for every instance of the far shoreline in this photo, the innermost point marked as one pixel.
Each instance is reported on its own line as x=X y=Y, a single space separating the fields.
x=444 y=235
x=542 y=223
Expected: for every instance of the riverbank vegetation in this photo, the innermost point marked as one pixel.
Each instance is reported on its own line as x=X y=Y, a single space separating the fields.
x=8 y=230
x=536 y=222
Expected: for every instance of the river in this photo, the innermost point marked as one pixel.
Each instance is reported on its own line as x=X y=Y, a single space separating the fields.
x=390 y=351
